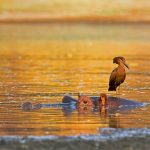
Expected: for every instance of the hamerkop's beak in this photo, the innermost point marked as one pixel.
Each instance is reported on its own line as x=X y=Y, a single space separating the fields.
x=126 y=65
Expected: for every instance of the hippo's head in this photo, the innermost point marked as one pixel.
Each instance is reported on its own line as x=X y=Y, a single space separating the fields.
x=84 y=104
x=84 y=101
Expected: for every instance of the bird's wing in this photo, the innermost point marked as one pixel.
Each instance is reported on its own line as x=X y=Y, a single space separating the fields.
x=112 y=78
x=124 y=77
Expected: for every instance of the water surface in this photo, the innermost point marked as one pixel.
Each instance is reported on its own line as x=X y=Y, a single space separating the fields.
x=40 y=63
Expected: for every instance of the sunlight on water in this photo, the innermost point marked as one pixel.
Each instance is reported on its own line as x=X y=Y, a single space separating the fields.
x=40 y=63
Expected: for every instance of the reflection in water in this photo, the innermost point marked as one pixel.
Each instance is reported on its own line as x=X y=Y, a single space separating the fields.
x=85 y=109
x=84 y=106
x=40 y=63
x=114 y=121
x=103 y=112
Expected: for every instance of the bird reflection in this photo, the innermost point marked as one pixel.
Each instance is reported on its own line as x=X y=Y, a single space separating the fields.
x=114 y=121
x=103 y=111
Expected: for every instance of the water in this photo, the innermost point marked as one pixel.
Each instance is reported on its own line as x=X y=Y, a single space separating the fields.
x=40 y=63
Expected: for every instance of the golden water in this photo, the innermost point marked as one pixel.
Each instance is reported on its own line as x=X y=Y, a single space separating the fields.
x=39 y=63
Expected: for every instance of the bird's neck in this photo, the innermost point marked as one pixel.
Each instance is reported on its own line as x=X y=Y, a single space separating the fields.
x=121 y=65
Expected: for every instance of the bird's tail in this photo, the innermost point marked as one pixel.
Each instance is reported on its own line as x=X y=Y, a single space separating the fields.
x=112 y=88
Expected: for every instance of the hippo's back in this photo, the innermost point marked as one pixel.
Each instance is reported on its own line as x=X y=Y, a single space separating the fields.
x=117 y=102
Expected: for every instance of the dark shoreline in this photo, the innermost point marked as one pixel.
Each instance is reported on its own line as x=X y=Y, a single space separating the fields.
x=128 y=143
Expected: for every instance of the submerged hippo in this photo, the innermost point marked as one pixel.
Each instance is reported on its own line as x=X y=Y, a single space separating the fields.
x=88 y=103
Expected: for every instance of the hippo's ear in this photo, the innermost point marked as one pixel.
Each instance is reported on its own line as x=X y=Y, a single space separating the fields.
x=27 y=106
x=79 y=94
x=99 y=100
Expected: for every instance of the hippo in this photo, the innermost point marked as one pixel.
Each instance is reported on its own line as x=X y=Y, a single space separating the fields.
x=91 y=103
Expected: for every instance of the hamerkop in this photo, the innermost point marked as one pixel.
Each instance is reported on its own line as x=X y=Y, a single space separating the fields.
x=118 y=75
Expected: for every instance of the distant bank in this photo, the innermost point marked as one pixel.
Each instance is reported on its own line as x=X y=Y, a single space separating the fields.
x=39 y=18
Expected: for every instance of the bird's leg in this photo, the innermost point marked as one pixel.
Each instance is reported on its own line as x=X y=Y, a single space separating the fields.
x=116 y=89
x=119 y=91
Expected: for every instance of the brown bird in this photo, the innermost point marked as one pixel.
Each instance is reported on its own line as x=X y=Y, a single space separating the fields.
x=118 y=75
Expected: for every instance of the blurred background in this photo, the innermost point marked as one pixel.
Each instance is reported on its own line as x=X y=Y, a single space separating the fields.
x=75 y=10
